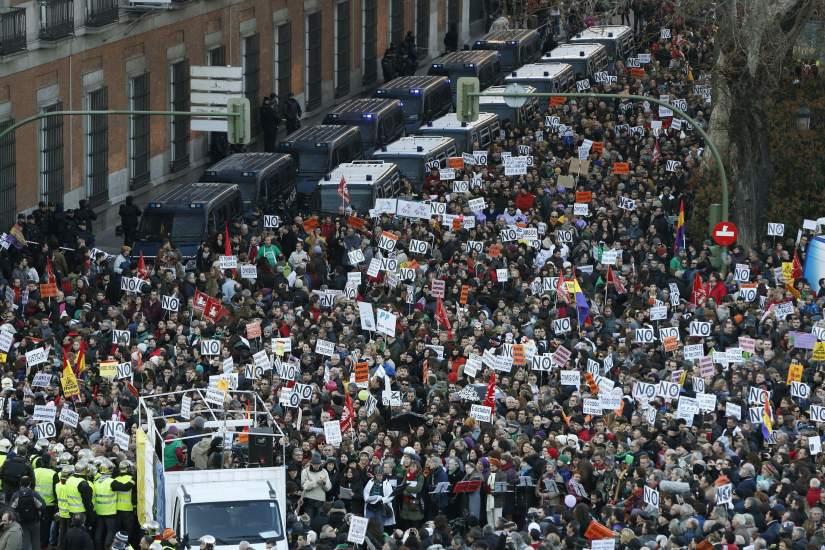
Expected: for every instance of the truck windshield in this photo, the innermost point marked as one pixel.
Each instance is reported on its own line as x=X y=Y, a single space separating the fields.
x=233 y=522
x=411 y=106
x=178 y=226
x=313 y=162
x=508 y=56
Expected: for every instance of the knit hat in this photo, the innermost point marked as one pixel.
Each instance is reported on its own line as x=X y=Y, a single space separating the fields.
x=121 y=541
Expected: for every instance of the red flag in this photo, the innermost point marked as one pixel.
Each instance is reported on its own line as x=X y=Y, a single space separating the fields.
x=227 y=245
x=51 y=279
x=441 y=317
x=343 y=190
x=199 y=301
x=797 y=266
x=347 y=415
x=700 y=294
x=561 y=289
x=213 y=310
x=490 y=398
x=657 y=153
x=142 y=272
x=614 y=280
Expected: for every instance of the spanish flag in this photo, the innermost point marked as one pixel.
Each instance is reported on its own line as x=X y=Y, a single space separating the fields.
x=80 y=361
x=680 y=243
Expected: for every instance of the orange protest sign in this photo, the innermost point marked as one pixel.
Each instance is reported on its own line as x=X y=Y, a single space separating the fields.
x=458 y=221
x=584 y=196
x=637 y=72
x=518 y=355
x=356 y=223
x=465 y=293
x=597 y=147
x=555 y=101
x=362 y=373
x=311 y=224
x=253 y=330
x=794 y=373
x=621 y=167
x=48 y=290
x=671 y=343
x=455 y=162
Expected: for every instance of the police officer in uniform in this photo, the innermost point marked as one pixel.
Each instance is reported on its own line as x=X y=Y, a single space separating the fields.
x=41 y=449
x=45 y=482
x=105 y=506
x=81 y=495
x=124 y=487
x=64 y=504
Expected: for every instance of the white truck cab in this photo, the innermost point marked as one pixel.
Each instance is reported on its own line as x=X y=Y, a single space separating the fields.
x=231 y=505
x=246 y=503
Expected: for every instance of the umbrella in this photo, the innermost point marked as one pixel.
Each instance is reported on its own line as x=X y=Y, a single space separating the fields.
x=406 y=421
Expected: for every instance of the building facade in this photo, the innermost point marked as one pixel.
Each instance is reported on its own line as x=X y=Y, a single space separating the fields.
x=114 y=54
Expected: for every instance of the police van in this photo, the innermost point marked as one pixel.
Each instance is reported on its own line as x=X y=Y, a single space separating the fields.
x=423 y=98
x=366 y=180
x=618 y=39
x=317 y=150
x=586 y=59
x=380 y=121
x=265 y=179
x=187 y=216
x=482 y=64
x=497 y=105
x=545 y=77
x=482 y=131
x=516 y=46
x=415 y=155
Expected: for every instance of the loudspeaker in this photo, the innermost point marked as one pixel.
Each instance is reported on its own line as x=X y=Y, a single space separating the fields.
x=260 y=447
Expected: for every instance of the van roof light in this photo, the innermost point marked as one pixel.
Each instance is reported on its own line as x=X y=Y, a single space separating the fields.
x=610 y=35
x=546 y=73
x=369 y=177
x=514 y=73
x=327 y=177
x=581 y=53
x=419 y=149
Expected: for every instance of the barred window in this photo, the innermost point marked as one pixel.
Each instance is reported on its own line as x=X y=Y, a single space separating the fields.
x=97 y=148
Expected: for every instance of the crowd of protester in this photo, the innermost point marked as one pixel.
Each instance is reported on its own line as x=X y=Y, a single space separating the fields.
x=590 y=447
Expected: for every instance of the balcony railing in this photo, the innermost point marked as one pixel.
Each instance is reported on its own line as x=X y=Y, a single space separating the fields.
x=12 y=30
x=101 y=12
x=56 y=19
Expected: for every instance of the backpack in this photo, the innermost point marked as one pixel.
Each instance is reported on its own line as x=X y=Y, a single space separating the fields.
x=27 y=507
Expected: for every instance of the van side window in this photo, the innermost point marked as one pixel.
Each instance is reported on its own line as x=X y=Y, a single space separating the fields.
x=482 y=136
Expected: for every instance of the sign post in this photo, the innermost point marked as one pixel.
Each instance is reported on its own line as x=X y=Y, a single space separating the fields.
x=212 y=89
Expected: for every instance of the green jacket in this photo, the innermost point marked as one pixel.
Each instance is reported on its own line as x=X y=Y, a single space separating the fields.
x=412 y=503
x=270 y=252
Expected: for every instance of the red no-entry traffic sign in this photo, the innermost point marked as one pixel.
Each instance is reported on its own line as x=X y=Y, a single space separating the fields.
x=724 y=233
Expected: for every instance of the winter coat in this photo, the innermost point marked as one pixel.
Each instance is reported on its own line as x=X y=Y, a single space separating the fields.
x=412 y=505
x=315 y=484
x=12 y=537
x=387 y=499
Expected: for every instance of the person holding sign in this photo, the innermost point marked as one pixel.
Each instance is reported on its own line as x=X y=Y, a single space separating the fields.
x=378 y=498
